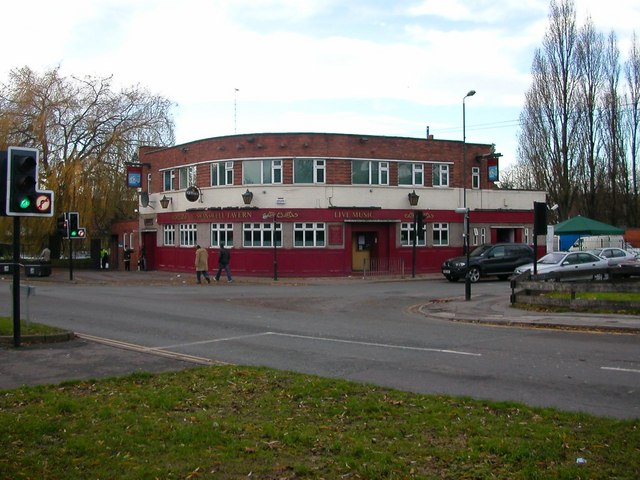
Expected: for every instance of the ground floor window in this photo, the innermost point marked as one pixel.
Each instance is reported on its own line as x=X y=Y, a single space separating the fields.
x=222 y=234
x=309 y=235
x=479 y=236
x=188 y=234
x=407 y=233
x=262 y=234
x=440 y=234
x=169 y=235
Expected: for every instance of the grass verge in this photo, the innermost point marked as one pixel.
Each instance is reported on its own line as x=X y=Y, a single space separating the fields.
x=239 y=422
x=26 y=328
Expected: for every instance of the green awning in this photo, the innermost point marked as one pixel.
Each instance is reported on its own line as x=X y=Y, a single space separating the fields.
x=584 y=225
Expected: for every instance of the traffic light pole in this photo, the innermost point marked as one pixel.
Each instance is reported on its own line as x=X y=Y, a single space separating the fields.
x=70 y=259
x=16 y=281
x=415 y=243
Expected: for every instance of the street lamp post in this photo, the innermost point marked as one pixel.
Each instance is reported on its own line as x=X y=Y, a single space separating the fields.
x=467 y=279
x=272 y=215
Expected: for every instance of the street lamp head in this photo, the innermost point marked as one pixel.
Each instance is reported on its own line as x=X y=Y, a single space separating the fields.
x=471 y=93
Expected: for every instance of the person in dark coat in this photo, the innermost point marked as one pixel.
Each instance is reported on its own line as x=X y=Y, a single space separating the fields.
x=223 y=263
x=127 y=259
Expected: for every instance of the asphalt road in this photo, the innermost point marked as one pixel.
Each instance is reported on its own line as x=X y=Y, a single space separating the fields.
x=368 y=332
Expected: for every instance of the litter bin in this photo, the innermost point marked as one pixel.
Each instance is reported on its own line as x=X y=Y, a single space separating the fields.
x=37 y=270
x=6 y=268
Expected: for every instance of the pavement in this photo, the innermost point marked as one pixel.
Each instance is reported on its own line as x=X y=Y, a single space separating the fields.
x=85 y=358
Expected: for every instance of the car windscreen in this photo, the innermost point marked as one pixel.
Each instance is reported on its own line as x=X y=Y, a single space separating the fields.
x=478 y=251
x=552 y=258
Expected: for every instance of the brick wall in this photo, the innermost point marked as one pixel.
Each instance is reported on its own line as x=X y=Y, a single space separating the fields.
x=322 y=145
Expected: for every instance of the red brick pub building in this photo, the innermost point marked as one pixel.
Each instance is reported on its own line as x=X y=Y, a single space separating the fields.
x=322 y=204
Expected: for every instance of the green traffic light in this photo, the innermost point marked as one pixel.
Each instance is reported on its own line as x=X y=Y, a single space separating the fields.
x=74 y=233
x=25 y=203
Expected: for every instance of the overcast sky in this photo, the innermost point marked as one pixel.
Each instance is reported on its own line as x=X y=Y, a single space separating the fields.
x=377 y=67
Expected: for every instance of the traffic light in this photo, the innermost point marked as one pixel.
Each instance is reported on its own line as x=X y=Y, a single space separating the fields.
x=539 y=218
x=3 y=183
x=73 y=224
x=63 y=225
x=22 y=195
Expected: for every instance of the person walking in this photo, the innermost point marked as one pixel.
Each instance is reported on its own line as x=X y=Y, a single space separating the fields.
x=202 y=264
x=104 y=258
x=127 y=259
x=223 y=263
x=45 y=255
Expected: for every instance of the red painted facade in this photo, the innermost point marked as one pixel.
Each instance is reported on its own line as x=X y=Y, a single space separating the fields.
x=362 y=229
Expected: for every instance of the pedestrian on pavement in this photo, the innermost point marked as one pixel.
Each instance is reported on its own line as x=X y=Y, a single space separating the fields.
x=45 y=255
x=142 y=262
x=223 y=263
x=127 y=259
x=202 y=264
x=104 y=258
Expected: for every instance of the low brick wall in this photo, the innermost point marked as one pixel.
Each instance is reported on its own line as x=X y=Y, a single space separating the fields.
x=531 y=291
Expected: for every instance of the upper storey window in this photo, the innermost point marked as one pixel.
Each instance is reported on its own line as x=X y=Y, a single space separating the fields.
x=440 y=175
x=410 y=174
x=475 y=177
x=309 y=170
x=369 y=172
x=261 y=171
x=221 y=173
x=167 y=180
x=186 y=177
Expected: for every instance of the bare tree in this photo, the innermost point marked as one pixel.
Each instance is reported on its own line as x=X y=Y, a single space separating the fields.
x=548 y=142
x=86 y=132
x=518 y=176
x=632 y=124
x=612 y=139
x=591 y=80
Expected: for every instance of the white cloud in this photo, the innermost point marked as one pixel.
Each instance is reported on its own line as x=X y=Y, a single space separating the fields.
x=291 y=55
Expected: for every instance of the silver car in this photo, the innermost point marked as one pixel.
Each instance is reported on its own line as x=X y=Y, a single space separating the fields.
x=615 y=256
x=569 y=262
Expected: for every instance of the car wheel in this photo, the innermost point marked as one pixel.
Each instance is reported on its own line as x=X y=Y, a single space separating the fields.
x=474 y=274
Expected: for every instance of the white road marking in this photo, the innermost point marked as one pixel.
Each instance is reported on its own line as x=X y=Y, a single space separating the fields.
x=632 y=370
x=166 y=348
x=151 y=350
x=371 y=344
x=214 y=340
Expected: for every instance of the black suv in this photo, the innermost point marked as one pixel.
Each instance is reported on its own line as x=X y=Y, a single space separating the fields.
x=500 y=260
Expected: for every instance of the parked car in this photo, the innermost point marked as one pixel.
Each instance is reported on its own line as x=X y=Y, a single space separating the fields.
x=488 y=260
x=615 y=256
x=572 y=262
x=596 y=241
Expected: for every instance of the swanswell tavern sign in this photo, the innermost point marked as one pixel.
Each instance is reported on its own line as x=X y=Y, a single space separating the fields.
x=291 y=215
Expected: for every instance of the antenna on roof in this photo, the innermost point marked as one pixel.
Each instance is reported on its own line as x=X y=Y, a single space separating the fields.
x=235 y=111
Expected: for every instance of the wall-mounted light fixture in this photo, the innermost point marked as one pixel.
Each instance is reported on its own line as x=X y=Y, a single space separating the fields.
x=247 y=197
x=413 y=198
x=165 y=201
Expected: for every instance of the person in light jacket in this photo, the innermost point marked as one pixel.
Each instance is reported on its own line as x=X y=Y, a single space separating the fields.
x=202 y=264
